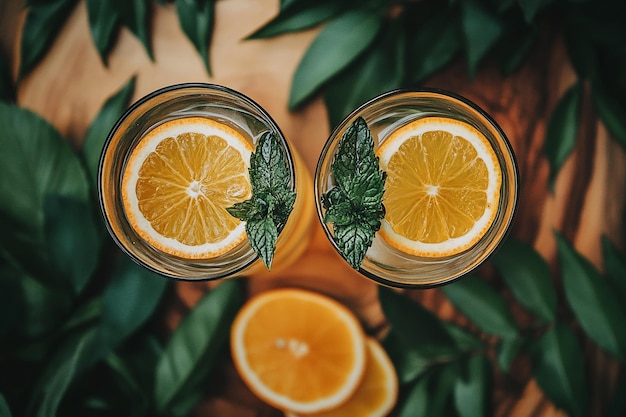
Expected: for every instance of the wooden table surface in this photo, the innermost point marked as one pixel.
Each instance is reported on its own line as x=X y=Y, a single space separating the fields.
x=70 y=85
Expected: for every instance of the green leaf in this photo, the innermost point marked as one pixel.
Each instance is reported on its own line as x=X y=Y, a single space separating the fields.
x=13 y=308
x=528 y=276
x=615 y=268
x=471 y=392
x=5 y=411
x=103 y=22
x=335 y=47
x=192 y=349
x=72 y=239
x=411 y=352
x=514 y=48
x=480 y=303
x=268 y=210
x=433 y=46
x=530 y=8
x=354 y=205
x=378 y=71
x=43 y=22
x=481 y=29
x=465 y=341
x=559 y=368
x=612 y=112
x=617 y=406
x=129 y=300
x=431 y=395
x=297 y=16
x=415 y=402
x=592 y=301
x=196 y=19
x=101 y=125
x=506 y=352
x=72 y=358
x=135 y=14
x=35 y=161
x=562 y=128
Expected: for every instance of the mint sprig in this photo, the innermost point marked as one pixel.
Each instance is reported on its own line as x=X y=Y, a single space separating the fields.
x=267 y=211
x=354 y=205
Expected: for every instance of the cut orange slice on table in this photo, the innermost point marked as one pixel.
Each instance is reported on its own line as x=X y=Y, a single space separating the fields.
x=298 y=350
x=178 y=182
x=442 y=189
x=377 y=393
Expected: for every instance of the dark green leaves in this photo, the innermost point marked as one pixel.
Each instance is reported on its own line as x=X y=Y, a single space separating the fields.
x=43 y=22
x=135 y=14
x=193 y=348
x=528 y=276
x=103 y=22
x=561 y=130
x=354 y=204
x=102 y=125
x=272 y=199
x=482 y=29
x=196 y=19
x=472 y=388
x=594 y=304
x=334 y=48
x=480 y=303
x=558 y=367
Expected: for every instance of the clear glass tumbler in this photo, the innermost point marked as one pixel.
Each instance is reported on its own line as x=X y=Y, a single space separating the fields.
x=386 y=114
x=227 y=107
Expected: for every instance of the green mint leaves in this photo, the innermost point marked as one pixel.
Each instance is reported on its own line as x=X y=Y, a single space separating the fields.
x=272 y=200
x=354 y=205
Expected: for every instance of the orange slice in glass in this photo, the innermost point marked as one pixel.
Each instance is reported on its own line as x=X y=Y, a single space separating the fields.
x=178 y=182
x=298 y=350
x=442 y=189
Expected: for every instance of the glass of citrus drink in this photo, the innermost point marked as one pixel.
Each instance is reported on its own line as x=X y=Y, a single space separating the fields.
x=193 y=176
x=416 y=188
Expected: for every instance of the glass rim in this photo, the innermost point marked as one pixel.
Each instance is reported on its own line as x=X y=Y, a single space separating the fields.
x=446 y=95
x=272 y=126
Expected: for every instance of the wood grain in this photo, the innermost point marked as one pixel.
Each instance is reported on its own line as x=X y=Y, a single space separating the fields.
x=71 y=84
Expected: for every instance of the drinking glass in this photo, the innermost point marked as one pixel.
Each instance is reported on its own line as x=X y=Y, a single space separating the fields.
x=228 y=107
x=384 y=115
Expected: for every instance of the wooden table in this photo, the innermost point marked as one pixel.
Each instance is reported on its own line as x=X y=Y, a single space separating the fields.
x=70 y=85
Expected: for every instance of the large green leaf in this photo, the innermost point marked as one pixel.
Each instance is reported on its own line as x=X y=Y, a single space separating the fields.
x=376 y=72
x=432 y=46
x=192 y=350
x=135 y=15
x=196 y=19
x=562 y=128
x=43 y=22
x=481 y=29
x=72 y=239
x=101 y=126
x=298 y=16
x=507 y=351
x=71 y=359
x=480 y=303
x=35 y=161
x=528 y=276
x=335 y=47
x=415 y=403
x=5 y=411
x=414 y=352
x=129 y=300
x=612 y=112
x=472 y=389
x=559 y=368
x=103 y=24
x=432 y=394
x=596 y=307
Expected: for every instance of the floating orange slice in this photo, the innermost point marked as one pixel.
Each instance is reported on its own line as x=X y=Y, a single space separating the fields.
x=178 y=182
x=298 y=350
x=442 y=189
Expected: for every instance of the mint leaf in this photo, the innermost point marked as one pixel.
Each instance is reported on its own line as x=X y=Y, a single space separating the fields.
x=272 y=201
x=354 y=206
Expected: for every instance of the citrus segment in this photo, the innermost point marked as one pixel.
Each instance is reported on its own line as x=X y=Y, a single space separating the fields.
x=298 y=350
x=442 y=188
x=376 y=394
x=178 y=182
